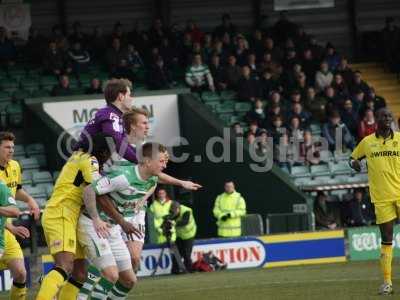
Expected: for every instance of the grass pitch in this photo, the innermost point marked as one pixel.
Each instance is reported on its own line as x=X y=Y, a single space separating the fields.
x=355 y=280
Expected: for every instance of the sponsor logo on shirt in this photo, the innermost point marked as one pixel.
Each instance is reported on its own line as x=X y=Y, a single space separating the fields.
x=12 y=200
x=385 y=154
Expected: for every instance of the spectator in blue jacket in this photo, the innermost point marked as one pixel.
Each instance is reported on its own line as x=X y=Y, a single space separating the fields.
x=333 y=129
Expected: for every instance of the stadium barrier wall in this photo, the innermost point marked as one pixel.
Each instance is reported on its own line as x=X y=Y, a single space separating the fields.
x=250 y=252
x=365 y=242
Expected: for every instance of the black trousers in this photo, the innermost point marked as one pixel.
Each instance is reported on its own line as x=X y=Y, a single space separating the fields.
x=185 y=250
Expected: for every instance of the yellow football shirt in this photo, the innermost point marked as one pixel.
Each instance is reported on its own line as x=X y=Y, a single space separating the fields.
x=383 y=161
x=11 y=175
x=78 y=171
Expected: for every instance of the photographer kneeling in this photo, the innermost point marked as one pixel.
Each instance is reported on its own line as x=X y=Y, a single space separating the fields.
x=185 y=233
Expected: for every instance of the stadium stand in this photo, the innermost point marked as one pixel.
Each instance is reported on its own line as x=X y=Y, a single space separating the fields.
x=280 y=70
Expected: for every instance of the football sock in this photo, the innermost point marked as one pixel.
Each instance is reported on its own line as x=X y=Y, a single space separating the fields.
x=51 y=284
x=386 y=261
x=18 y=291
x=118 y=292
x=101 y=289
x=70 y=290
x=91 y=280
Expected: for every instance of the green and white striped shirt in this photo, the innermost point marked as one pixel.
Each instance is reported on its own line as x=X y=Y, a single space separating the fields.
x=198 y=74
x=126 y=188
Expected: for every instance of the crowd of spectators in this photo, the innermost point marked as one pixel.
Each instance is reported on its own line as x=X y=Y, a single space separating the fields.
x=291 y=80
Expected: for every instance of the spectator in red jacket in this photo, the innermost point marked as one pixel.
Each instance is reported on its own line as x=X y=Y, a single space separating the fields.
x=367 y=125
x=194 y=31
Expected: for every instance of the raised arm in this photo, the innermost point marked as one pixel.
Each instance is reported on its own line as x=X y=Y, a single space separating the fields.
x=186 y=184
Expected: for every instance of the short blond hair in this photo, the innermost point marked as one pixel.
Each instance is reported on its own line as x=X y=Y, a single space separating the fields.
x=131 y=117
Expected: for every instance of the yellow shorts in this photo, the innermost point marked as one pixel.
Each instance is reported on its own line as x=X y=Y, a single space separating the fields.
x=387 y=211
x=12 y=249
x=59 y=226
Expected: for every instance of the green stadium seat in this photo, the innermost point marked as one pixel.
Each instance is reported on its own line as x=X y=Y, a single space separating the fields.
x=39 y=193
x=78 y=91
x=326 y=156
x=94 y=68
x=235 y=119
x=17 y=72
x=285 y=169
x=30 y=82
x=302 y=181
x=226 y=118
x=29 y=163
x=341 y=167
x=320 y=170
x=339 y=155
x=315 y=129
x=320 y=180
x=140 y=75
x=241 y=115
x=358 y=178
x=55 y=175
x=48 y=82
x=41 y=177
x=196 y=96
x=41 y=159
x=228 y=95
x=9 y=85
x=85 y=79
x=4 y=96
x=334 y=181
x=49 y=187
x=73 y=83
x=243 y=107
x=26 y=178
x=5 y=100
x=36 y=191
x=33 y=72
x=19 y=150
x=212 y=105
x=300 y=171
x=226 y=107
x=210 y=97
x=14 y=114
x=21 y=94
x=40 y=93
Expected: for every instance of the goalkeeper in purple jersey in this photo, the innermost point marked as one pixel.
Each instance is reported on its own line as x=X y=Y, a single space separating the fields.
x=109 y=118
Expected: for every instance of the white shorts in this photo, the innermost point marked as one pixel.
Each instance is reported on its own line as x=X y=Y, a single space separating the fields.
x=103 y=252
x=139 y=221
